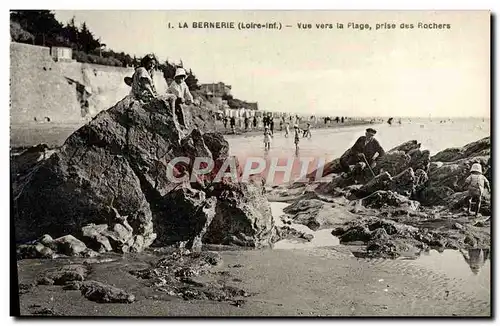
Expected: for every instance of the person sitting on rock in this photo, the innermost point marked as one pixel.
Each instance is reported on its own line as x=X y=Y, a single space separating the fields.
x=363 y=152
x=475 y=183
x=182 y=95
x=142 y=84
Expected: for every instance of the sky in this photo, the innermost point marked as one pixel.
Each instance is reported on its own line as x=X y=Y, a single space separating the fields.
x=353 y=72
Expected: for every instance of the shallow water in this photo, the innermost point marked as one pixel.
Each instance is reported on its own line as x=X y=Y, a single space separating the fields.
x=322 y=238
x=328 y=144
x=471 y=266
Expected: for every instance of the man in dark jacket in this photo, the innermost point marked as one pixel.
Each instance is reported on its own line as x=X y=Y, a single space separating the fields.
x=362 y=152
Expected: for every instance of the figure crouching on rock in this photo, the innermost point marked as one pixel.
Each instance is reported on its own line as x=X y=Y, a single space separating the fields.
x=363 y=154
x=475 y=183
x=180 y=90
x=141 y=82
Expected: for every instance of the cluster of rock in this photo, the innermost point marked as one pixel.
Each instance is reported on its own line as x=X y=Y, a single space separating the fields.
x=175 y=274
x=108 y=186
x=386 y=211
x=73 y=277
x=408 y=177
x=390 y=239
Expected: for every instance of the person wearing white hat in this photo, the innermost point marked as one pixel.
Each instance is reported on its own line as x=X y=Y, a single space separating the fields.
x=475 y=183
x=182 y=95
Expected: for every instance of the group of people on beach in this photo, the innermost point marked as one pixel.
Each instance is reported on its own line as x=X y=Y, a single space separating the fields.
x=143 y=88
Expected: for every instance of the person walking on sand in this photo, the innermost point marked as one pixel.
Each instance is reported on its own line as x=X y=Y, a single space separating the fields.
x=232 y=123
x=271 y=124
x=365 y=151
x=287 y=129
x=225 y=122
x=307 y=131
x=475 y=183
x=267 y=138
x=182 y=95
x=296 y=136
x=142 y=84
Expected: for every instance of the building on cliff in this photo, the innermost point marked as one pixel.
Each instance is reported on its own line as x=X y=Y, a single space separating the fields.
x=216 y=89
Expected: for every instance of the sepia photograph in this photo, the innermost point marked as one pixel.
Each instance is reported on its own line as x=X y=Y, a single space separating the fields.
x=250 y=163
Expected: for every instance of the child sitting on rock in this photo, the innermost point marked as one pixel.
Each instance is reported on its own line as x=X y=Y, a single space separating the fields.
x=475 y=183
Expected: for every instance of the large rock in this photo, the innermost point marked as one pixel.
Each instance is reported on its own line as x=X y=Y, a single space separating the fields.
x=115 y=171
x=406 y=147
x=317 y=214
x=63 y=275
x=383 y=199
x=404 y=183
x=69 y=245
x=93 y=236
x=431 y=196
x=188 y=213
x=104 y=293
x=393 y=163
x=420 y=160
x=380 y=182
x=243 y=216
x=330 y=167
x=453 y=174
x=481 y=147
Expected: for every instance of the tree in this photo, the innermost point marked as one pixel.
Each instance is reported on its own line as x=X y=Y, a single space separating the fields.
x=42 y=24
x=18 y=34
x=192 y=81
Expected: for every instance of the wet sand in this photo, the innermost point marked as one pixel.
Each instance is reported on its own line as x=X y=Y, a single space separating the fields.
x=299 y=282
x=306 y=279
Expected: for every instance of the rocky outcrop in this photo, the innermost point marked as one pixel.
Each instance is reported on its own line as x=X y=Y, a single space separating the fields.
x=104 y=293
x=317 y=214
x=111 y=185
x=242 y=216
x=383 y=199
x=481 y=147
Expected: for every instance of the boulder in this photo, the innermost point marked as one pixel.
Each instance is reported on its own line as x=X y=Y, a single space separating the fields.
x=404 y=183
x=433 y=196
x=118 y=159
x=459 y=201
x=406 y=147
x=337 y=183
x=393 y=163
x=453 y=174
x=93 y=237
x=317 y=214
x=420 y=160
x=243 y=216
x=63 y=275
x=38 y=250
x=329 y=168
x=115 y=171
x=104 y=293
x=481 y=147
x=69 y=245
x=188 y=213
x=380 y=182
x=381 y=199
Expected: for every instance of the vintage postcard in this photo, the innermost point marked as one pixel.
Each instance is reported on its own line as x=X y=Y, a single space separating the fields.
x=251 y=163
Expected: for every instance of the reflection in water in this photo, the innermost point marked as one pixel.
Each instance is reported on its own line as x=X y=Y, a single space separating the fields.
x=475 y=258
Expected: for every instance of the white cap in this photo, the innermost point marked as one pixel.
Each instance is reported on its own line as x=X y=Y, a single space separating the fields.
x=180 y=72
x=476 y=167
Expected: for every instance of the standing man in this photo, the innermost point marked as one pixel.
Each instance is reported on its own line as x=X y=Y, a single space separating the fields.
x=179 y=88
x=363 y=152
